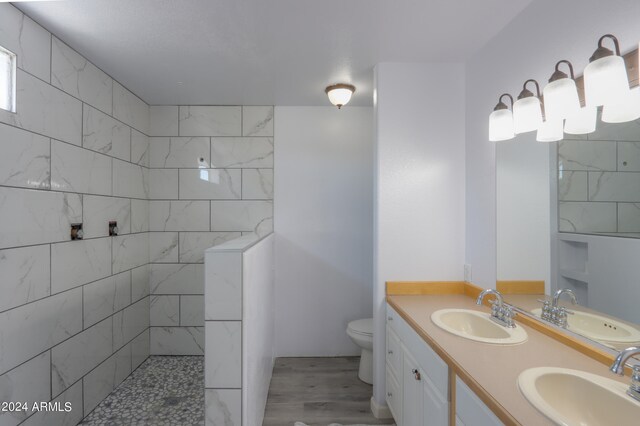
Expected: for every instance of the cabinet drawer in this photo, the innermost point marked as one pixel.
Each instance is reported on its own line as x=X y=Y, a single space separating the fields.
x=393 y=320
x=394 y=396
x=470 y=409
x=394 y=352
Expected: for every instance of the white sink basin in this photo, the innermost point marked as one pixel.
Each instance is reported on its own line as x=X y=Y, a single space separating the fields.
x=600 y=328
x=478 y=326
x=572 y=397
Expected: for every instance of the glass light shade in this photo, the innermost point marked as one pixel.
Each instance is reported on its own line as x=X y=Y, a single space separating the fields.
x=527 y=114
x=339 y=96
x=550 y=131
x=605 y=81
x=627 y=110
x=501 y=125
x=560 y=99
x=582 y=122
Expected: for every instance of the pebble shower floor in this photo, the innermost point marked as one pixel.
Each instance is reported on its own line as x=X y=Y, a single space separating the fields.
x=163 y=391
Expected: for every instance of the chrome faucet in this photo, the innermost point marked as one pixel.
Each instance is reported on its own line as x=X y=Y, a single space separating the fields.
x=618 y=368
x=562 y=291
x=500 y=313
x=553 y=313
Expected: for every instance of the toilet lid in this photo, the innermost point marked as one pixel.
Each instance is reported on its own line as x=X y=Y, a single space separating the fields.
x=362 y=326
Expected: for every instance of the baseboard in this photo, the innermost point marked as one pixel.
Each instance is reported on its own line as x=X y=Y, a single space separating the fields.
x=380 y=411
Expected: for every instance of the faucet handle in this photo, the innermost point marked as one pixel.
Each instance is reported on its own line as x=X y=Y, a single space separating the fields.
x=510 y=315
x=634 y=387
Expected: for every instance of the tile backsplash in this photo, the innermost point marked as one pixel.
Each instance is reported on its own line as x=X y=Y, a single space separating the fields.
x=210 y=181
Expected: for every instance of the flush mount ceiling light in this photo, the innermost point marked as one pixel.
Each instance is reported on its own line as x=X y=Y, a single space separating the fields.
x=501 y=121
x=605 y=78
x=582 y=122
x=561 y=94
x=340 y=94
x=527 y=110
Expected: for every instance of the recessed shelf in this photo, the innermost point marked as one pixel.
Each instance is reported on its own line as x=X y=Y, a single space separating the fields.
x=575 y=274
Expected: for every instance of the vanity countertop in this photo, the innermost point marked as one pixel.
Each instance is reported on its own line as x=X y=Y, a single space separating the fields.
x=493 y=369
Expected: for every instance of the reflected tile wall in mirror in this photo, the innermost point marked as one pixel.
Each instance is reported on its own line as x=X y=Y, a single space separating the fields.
x=599 y=181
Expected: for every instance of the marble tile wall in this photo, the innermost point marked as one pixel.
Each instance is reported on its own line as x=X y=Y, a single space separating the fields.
x=599 y=181
x=74 y=315
x=210 y=180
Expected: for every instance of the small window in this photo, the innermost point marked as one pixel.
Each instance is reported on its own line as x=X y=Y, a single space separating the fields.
x=7 y=80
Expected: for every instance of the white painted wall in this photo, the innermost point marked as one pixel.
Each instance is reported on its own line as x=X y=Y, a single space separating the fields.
x=323 y=225
x=523 y=206
x=545 y=32
x=419 y=181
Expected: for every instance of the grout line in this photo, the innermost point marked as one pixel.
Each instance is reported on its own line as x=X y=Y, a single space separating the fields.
x=82 y=303
x=50 y=374
x=82 y=395
x=50 y=58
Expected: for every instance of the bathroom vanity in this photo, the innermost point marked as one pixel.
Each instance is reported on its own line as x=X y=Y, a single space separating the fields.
x=437 y=378
x=418 y=382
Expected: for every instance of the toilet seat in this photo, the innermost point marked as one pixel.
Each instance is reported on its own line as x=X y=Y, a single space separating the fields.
x=363 y=327
x=361 y=332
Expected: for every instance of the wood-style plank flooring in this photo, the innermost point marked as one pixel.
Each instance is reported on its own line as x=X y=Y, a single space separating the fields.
x=318 y=392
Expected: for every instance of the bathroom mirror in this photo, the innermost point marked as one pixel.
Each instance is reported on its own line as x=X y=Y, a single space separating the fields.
x=568 y=217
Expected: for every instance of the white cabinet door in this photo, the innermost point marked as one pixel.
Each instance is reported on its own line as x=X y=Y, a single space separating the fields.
x=435 y=407
x=412 y=408
x=471 y=410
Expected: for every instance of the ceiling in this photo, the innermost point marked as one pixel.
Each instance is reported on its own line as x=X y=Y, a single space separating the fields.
x=264 y=52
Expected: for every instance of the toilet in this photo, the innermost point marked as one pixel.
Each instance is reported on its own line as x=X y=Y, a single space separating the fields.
x=361 y=332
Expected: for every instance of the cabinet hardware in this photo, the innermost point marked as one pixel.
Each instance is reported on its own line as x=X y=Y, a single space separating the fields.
x=416 y=374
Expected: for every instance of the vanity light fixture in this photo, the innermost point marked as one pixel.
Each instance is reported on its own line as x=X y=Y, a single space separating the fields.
x=605 y=78
x=501 y=121
x=527 y=110
x=582 y=122
x=561 y=94
x=627 y=110
x=340 y=94
x=550 y=130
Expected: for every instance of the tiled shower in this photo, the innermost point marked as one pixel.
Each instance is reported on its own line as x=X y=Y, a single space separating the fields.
x=77 y=317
